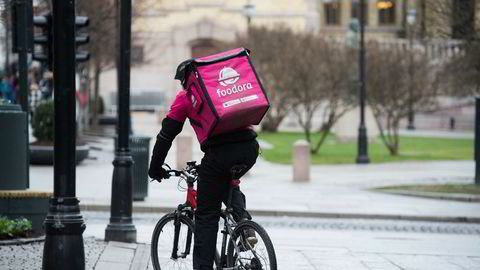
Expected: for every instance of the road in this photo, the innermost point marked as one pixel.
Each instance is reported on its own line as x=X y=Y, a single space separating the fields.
x=308 y=243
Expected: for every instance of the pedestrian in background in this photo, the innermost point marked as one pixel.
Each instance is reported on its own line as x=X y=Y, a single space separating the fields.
x=14 y=86
x=6 y=91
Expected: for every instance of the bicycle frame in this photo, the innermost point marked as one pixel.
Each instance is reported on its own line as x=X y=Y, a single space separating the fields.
x=188 y=209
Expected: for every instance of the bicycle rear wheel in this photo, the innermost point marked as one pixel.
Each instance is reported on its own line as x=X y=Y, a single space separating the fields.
x=163 y=238
x=260 y=256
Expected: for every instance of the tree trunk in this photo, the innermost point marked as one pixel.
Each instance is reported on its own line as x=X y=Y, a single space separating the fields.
x=323 y=136
x=97 y=71
x=271 y=124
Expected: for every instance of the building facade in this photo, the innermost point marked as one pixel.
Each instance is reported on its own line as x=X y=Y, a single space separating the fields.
x=166 y=33
x=383 y=18
x=169 y=32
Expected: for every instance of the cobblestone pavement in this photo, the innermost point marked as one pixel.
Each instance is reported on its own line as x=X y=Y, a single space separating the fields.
x=146 y=219
x=312 y=243
x=29 y=256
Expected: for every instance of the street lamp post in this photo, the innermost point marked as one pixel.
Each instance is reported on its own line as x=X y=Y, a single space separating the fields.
x=411 y=16
x=63 y=248
x=362 y=151
x=121 y=227
x=22 y=16
x=476 y=155
x=248 y=11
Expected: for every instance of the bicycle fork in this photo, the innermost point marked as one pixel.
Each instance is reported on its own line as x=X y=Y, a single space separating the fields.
x=177 y=225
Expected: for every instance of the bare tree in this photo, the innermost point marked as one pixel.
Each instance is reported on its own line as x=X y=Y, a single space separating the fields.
x=102 y=45
x=392 y=88
x=321 y=77
x=270 y=48
x=104 y=38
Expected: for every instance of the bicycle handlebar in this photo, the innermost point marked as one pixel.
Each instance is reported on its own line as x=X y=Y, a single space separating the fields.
x=189 y=173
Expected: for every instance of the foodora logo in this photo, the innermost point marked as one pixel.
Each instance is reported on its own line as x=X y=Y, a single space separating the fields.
x=228 y=76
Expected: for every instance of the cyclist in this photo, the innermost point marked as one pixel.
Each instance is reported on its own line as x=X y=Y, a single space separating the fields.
x=222 y=152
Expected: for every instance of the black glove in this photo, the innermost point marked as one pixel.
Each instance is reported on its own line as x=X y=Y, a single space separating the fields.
x=158 y=173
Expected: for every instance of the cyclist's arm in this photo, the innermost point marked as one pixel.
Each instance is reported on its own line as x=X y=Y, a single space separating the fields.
x=172 y=125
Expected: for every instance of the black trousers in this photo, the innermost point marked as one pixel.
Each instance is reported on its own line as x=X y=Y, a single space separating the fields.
x=212 y=190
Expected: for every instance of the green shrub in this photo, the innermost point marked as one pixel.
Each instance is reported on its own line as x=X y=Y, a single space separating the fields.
x=4 y=226
x=21 y=226
x=14 y=228
x=42 y=122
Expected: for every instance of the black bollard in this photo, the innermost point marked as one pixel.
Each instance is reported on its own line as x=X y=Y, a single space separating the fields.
x=477 y=141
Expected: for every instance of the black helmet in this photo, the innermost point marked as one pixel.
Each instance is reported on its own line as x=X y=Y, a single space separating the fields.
x=182 y=69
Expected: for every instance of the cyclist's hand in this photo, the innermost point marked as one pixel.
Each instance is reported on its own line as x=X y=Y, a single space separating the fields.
x=158 y=173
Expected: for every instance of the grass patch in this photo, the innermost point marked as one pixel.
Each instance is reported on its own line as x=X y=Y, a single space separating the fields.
x=333 y=152
x=443 y=188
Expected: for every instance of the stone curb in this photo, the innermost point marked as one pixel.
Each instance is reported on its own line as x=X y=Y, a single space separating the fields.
x=436 y=195
x=275 y=213
x=21 y=241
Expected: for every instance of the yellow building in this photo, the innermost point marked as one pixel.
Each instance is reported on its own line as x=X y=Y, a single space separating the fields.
x=167 y=32
x=383 y=18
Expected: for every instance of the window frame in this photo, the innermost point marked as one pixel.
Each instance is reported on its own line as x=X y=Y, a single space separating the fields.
x=388 y=16
x=333 y=16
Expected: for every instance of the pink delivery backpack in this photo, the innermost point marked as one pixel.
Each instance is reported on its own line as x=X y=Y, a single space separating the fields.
x=225 y=93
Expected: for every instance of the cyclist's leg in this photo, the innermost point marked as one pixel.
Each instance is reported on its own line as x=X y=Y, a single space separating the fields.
x=210 y=188
x=247 y=155
x=238 y=205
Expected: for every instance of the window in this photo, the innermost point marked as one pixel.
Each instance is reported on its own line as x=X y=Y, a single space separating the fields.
x=332 y=12
x=356 y=10
x=386 y=12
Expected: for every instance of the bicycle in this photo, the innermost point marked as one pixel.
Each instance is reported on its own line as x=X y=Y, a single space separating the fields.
x=172 y=238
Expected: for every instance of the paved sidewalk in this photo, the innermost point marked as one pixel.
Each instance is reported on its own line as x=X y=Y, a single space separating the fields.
x=124 y=256
x=334 y=190
x=341 y=191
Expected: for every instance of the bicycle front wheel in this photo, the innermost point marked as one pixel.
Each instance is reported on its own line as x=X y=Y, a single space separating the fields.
x=255 y=256
x=172 y=244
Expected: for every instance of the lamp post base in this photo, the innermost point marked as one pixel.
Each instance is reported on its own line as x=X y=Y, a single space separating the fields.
x=121 y=232
x=64 y=227
x=121 y=227
x=411 y=124
x=362 y=154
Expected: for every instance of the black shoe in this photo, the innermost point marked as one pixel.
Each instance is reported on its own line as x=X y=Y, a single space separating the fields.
x=248 y=240
x=251 y=237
